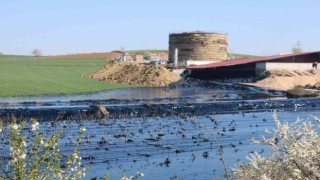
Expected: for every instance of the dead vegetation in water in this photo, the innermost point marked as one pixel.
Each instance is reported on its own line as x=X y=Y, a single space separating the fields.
x=102 y=110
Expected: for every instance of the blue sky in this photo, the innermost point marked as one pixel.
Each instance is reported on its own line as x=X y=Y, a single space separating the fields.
x=83 y=26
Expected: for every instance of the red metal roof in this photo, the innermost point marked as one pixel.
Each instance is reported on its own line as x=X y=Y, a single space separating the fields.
x=246 y=61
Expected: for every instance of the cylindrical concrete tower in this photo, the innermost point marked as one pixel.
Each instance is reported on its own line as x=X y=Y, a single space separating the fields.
x=198 y=46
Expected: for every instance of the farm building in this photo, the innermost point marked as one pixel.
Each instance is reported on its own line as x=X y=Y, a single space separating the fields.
x=197 y=46
x=138 y=57
x=123 y=57
x=160 y=62
x=254 y=66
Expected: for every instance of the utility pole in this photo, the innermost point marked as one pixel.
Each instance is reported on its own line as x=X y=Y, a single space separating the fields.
x=298 y=45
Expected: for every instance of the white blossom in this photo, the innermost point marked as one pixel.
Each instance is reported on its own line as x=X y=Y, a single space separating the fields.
x=24 y=143
x=132 y=177
x=140 y=173
x=75 y=155
x=22 y=156
x=14 y=126
x=264 y=177
x=19 y=152
x=295 y=153
x=35 y=126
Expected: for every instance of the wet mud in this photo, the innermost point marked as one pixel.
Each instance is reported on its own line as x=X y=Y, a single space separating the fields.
x=160 y=110
x=188 y=96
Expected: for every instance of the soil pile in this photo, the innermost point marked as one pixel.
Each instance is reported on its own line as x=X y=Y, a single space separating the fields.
x=285 y=80
x=136 y=74
x=317 y=85
x=299 y=92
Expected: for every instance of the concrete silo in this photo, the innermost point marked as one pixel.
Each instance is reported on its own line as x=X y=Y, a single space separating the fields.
x=198 y=46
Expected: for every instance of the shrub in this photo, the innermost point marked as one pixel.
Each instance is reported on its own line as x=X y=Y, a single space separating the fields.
x=295 y=153
x=39 y=159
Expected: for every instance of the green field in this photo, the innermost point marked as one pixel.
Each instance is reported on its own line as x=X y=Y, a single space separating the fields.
x=242 y=56
x=28 y=76
x=2 y=56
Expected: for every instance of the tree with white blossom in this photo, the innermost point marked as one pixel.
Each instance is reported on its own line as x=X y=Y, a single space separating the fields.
x=295 y=153
x=39 y=159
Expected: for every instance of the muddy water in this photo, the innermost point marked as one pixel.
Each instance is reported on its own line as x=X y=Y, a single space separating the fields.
x=165 y=148
x=185 y=92
x=162 y=132
x=184 y=96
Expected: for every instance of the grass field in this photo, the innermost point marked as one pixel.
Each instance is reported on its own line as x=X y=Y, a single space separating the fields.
x=242 y=56
x=2 y=56
x=27 y=76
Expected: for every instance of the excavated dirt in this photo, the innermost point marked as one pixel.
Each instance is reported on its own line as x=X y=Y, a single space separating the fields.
x=135 y=74
x=299 y=92
x=285 y=80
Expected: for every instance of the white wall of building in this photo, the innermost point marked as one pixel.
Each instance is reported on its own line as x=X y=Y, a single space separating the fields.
x=193 y=62
x=285 y=66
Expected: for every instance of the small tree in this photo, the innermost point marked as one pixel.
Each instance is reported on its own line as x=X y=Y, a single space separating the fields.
x=37 y=52
x=296 y=50
x=40 y=157
x=295 y=153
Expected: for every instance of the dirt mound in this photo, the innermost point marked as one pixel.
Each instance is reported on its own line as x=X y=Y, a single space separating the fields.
x=317 y=85
x=299 y=91
x=136 y=74
x=288 y=80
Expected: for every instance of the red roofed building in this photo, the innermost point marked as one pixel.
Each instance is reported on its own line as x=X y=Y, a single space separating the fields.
x=254 y=66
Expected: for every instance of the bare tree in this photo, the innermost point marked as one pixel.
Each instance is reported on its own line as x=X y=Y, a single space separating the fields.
x=296 y=50
x=37 y=52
